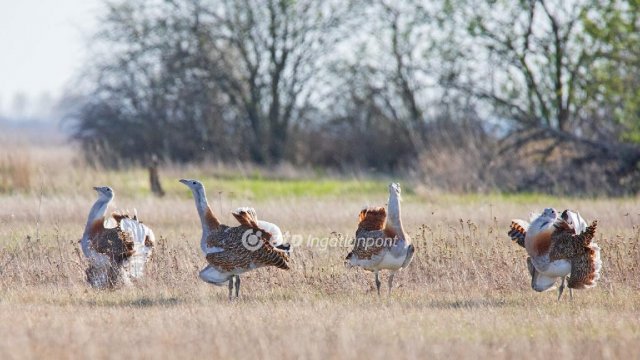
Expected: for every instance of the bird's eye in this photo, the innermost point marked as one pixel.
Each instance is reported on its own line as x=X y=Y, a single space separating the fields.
x=194 y=183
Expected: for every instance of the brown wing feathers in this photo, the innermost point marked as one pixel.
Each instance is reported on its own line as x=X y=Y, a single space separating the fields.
x=115 y=243
x=371 y=234
x=235 y=254
x=577 y=249
x=232 y=241
x=568 y=245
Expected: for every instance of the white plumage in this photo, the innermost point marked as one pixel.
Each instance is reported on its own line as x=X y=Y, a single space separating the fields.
x=559 y=247
x=143 y=240
x=117 y=248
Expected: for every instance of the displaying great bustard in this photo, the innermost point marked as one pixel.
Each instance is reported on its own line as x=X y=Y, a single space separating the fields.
x=117 y=253
x=381 y=243
x=231 y=251
x=559 y=246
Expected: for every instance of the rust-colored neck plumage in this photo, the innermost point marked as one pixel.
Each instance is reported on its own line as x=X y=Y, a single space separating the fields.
x=538 y=238
x=209 y=220
x=96 y=215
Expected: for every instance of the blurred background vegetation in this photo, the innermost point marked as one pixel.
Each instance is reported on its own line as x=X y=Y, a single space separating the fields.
x=482 y=95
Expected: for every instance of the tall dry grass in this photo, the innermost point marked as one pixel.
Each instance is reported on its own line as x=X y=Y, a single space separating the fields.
x=466 y=294
x=15 y=171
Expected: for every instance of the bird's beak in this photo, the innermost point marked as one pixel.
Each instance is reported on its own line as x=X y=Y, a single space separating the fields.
x=184 y=181
x=96 y=188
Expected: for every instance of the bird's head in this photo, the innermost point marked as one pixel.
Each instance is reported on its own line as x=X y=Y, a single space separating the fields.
x=574 y=220
x=192 y=184
x=543 y=222
x=549 y=213
x=546 y=219
x=104 y=192
x=395 y=190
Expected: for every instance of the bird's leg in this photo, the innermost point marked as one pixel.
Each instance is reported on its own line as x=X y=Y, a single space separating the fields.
x=532 y=271
x=391 y=281
x=377 y=282
x=530 y=267
x=230 y=286
x=570 y=294
x=237 y=285
x=561 y=288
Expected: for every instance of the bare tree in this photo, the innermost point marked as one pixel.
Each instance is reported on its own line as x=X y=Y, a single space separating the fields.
x=149 y=91
x=391 y=82
x=264 y=56
x=532 y=61
x=394 y=68
x=230 y=77
x=379 y=84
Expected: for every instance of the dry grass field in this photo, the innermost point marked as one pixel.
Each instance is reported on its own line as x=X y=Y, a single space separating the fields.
x=466 y=294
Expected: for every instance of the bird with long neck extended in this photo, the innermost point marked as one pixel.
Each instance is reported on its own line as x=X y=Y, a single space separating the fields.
x=559 y=247
x=232 y=251
x=381 y=243
x=118 y=253
x=96 y=214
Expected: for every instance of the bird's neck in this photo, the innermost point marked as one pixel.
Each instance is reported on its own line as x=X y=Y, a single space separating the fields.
x=541 y=225
x=394 y=216
x=95 y=214
x=207 y=218
x=538 y=238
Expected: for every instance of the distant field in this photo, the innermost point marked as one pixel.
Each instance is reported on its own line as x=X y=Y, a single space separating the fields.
x=466 y=294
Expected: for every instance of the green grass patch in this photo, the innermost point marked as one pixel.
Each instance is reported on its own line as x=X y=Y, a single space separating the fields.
x=524 y=198
x=262 y=189
x=255 y=186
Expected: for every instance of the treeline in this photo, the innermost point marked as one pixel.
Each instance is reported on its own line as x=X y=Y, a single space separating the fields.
x=468 y=95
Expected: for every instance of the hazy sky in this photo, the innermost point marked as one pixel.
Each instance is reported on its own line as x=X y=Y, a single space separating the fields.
x=42 y=45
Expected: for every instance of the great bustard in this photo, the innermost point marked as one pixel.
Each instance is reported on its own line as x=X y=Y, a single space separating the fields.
x=117 y=253
x=381 y=243
x=559 y=246
x=231 y=251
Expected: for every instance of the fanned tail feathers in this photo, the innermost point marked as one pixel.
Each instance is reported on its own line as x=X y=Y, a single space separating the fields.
x=589 y=233
x=143 y=241
x=596 y=265
x=518 y=231
x=278 y=258
x=592 y=262
x=285 y=247
x=246 y=216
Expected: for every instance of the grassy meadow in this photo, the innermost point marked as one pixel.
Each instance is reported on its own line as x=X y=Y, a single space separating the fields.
x=465 y=295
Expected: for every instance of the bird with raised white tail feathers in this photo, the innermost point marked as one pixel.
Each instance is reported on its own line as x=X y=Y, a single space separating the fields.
x=559 y=247
x=381 y=243
x=232 y=251
x=118 y=253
